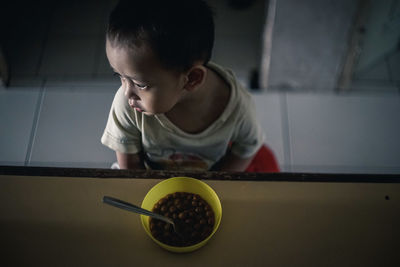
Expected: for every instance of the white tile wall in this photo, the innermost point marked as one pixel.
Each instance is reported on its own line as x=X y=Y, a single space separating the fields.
x=344 y=133
x=17 y=120
x=268 y=108
x=70 y=126
x=307 y=132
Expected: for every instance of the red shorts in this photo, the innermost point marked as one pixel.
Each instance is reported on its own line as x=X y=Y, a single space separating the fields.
x=264 y=161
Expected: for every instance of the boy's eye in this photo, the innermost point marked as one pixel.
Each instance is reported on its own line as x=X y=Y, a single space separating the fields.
x=141 y=87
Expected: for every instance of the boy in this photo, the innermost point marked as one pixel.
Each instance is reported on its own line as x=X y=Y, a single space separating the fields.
x=175 y=109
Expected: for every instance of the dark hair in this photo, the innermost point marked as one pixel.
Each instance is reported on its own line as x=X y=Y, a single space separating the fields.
x=179 y=32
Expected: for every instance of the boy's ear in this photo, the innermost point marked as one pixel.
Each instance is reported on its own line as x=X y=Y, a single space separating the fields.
x=195 y=77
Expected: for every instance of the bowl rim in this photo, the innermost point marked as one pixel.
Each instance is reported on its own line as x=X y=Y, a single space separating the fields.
x=187 y=248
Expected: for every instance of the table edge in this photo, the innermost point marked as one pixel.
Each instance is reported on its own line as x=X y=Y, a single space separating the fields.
x=203 y=175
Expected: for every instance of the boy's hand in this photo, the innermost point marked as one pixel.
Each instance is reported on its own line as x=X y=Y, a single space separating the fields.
x=130 y=161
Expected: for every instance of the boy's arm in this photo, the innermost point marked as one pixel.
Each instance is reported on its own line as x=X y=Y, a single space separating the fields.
x=231 y=162
x=129 y=161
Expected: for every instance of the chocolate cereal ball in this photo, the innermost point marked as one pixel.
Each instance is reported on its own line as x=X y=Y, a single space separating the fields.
x=192 y=215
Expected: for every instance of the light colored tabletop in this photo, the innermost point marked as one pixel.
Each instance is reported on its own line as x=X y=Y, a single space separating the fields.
x=61 y=221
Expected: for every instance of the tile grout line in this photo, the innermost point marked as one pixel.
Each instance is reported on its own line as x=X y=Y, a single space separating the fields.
x=36 y=115
x=287 y=155
x=42 y=89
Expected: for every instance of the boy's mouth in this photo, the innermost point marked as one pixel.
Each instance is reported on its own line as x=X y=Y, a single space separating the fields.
x=133 y=104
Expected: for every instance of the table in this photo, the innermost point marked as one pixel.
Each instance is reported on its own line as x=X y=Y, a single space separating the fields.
x=55 y=217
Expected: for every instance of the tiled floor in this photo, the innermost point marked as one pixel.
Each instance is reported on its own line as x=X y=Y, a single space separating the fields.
x=353 y=133
x=61 y=126
x=71 y=122
x=17 y=119
x=55 y=111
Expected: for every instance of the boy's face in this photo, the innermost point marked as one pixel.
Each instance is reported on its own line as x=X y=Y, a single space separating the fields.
x=149 y=87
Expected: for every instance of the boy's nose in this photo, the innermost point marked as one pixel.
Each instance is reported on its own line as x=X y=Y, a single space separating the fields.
x=130 y=94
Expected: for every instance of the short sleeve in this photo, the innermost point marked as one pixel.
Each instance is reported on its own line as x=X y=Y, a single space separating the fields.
x=122 y=132
x=249 y=136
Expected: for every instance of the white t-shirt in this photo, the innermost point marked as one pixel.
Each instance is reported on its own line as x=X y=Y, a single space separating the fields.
x=165 y=146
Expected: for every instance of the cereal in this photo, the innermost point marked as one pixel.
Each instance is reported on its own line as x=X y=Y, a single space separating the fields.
x=193 y=216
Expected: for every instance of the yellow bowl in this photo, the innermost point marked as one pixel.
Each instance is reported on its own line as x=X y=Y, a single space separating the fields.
x=181 y=184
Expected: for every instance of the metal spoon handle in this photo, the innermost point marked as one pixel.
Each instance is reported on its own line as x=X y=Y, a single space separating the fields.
x=130 y=207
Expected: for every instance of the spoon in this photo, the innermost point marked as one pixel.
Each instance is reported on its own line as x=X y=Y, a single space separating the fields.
x=130 y=207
